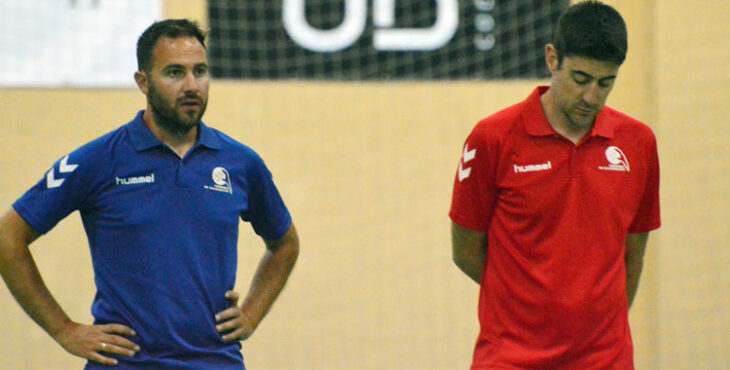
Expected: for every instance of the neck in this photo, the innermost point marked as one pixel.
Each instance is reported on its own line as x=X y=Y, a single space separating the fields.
x=178 y=140
x=559 y=121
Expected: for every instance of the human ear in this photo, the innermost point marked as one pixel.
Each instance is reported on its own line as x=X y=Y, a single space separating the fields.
x=142 y=82
x=551 y=58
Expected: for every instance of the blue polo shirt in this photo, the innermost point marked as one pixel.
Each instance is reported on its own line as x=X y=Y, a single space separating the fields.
x=162 y=233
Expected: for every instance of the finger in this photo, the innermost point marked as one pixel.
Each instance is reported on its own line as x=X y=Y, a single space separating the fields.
x=122 y=342
x=227 y=314
x=232 y=298
x=118 y=329
x=234 y=335
x=118 y=350
x=229 y=325
x=96 y=357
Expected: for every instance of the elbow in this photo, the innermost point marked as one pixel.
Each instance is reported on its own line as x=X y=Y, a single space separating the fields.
x=634 y=263
x=294 y=251
x=289 y=251
x=459 y=260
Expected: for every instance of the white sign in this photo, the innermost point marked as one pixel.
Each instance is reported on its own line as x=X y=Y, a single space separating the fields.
x=79 y=43
x=384 y=38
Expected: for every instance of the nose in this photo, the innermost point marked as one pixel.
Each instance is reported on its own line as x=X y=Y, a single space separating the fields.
x=190 y=83
x=592 y=95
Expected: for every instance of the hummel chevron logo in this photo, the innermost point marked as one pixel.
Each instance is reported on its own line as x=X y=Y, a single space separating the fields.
x=63 y=167
x=468 y=156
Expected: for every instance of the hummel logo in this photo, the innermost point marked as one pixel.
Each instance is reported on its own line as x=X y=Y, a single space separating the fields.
x=63 y=167
x=533 y=167
x=467 y=156
x=149 y=179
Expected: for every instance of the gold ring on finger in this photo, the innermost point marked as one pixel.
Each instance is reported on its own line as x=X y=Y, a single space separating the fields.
x=103 y=346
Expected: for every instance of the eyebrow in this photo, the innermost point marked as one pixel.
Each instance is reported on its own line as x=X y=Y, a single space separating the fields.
x=591 y=77
x=170 y=66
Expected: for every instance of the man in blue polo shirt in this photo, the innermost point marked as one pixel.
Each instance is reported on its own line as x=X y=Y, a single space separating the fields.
x=160 y=199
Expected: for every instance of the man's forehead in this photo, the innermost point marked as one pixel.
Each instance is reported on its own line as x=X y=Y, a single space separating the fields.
x=169 y=50
x=178 y=45
x=594 y=67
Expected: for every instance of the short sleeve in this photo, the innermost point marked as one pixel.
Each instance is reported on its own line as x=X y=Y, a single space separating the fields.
x=647 y=216
x=63 y=189
x=266 y=212
x=475 y=189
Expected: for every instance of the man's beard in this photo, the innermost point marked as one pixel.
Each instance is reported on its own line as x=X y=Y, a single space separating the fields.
x=581 y=115
x=169 y=118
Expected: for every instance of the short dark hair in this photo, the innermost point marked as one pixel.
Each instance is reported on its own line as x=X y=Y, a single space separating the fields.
x=172 y=28
x=593 y=30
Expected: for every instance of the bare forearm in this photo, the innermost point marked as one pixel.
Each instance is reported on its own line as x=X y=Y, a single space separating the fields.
x=472 y=266
x=270 y=278
x=635 y=248
x=469 y=251
x=23 y=279
x=633 y=273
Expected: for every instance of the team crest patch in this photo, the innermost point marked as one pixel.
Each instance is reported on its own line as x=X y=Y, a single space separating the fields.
x=617 y=160
x=221 y=181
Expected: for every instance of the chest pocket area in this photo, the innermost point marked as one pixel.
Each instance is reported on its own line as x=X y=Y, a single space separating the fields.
x=532 y=188
x=218 y=208
x=130 y=204
x=618 y=188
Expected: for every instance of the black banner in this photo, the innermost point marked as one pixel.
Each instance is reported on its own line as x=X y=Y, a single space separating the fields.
x=380 y=39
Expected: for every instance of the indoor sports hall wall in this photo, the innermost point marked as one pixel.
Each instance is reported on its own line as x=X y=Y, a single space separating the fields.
x=367 y=169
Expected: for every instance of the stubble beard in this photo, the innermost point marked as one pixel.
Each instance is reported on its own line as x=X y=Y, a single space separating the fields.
x=581 y=121
x=578 y=119
x=170 y=118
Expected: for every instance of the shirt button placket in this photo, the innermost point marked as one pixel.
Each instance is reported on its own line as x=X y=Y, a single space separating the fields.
x=575 y=162
x=180 y=175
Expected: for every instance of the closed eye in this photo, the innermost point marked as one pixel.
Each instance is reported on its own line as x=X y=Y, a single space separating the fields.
x=581 y=78
x=606 y=82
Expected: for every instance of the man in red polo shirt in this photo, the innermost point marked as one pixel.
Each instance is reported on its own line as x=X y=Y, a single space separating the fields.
x=552 y=204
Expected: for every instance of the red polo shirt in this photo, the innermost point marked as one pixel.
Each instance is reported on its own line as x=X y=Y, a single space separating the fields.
x=556 y=214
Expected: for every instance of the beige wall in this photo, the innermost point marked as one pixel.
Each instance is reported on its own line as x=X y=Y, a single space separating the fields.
x=366 y=170
x=693 y=74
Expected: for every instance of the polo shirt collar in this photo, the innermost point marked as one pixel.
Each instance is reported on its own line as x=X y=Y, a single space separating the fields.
x=208 y=137
x=604 y=124
x=537 y=124
x=142 y=138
